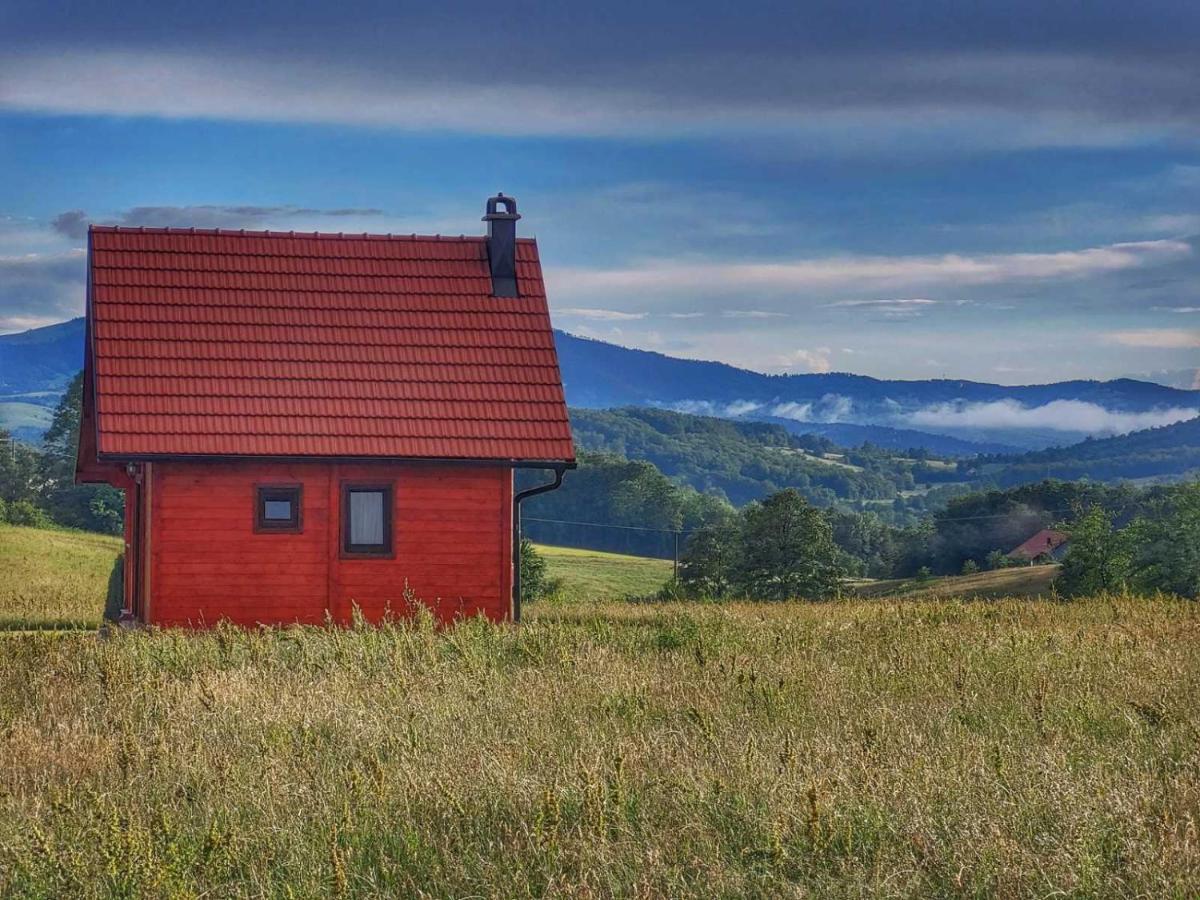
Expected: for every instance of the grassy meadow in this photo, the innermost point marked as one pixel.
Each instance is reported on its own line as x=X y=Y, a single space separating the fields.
x=596 y=575
x=1011 y=748
x=1019 y=581
x=54 y=579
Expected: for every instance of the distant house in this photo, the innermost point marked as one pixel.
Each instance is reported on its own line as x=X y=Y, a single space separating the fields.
x=1047 y=544
x=304 y=424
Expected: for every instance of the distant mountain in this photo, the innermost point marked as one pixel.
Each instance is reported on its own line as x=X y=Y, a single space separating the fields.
x=1166 y=453
x=945 y=417
x=600 y=375
x=35 y=367
x=1188 y=379
x=40 y=362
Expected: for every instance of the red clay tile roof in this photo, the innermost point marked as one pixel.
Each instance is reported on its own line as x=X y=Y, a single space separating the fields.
x=280 y=344
x=1045 y=541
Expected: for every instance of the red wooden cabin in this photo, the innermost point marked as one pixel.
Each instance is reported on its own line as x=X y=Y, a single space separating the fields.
x=305 y=423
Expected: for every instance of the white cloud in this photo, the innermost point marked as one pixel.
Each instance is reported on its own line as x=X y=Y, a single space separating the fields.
x=858 y=272
x=903 y=302
x=600 y=315
x=24 y=323
x=752 y=314
x=797 y=412
x=815 y=360
x=731 y=410
x=1058 y=415
x=1158 y=338
x=830 y=408
x=840 y=98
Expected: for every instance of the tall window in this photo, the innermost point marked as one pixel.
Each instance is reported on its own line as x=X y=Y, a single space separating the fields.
x=277 y=508
x=367 y=519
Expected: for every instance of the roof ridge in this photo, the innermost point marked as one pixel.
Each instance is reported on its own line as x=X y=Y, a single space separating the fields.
x=307 y=235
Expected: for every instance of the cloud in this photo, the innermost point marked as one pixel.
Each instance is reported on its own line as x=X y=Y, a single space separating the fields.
x=751 y=314
x=1010 y=74
x=830 y=408
x=73 y=223
x=906 y=302
x=731 y=410
x=1178 y=309
x=1058 y=415
x=856 y=272
x=40 y=288
x=797 y=412
x=1158 y=338
x=816 y=360
x=600 y=315
x=901 y=308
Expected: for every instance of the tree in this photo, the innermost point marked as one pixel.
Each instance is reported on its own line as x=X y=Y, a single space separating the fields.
x=90 y=507
x=1166 y=554
x=997 y=559
x=787 y=551
x=706 y=564
x=19 y=479
x=1099 y=558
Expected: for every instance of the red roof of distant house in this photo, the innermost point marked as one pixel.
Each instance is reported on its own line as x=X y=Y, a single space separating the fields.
x=234 y=343
x=1045 y=541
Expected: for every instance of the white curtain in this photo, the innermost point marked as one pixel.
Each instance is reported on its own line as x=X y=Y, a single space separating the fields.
x=366 y=518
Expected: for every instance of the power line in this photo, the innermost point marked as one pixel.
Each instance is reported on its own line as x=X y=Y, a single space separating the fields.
x=606 y=525
x=1044 y=512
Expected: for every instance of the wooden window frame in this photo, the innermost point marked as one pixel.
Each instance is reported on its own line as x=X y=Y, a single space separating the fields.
x=362 y=551
x=295 y=494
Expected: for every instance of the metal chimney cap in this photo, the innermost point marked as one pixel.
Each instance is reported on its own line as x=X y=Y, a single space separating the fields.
x=510 y=208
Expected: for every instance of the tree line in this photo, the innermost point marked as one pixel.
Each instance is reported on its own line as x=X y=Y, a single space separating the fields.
x=37 y=486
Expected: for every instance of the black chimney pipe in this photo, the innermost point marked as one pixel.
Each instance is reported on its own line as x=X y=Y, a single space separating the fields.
x=502 y=244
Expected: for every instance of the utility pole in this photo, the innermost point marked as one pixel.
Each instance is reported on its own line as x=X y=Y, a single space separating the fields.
x=676 y=569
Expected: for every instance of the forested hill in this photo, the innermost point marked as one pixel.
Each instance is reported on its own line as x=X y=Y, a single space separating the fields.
x=1172 y=451
x=746 y=461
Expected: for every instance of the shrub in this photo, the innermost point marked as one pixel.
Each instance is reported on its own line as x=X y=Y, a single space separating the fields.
x=22 y=512
x=997 y=559
x=534 y=583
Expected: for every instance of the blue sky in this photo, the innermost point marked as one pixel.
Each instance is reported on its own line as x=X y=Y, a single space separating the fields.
x=1004 y=193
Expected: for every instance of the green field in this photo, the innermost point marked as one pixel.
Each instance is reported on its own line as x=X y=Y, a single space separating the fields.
x=54 y=579
x=1011 y=748
x=595 y=575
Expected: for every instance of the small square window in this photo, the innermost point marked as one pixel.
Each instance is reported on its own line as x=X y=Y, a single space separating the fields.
x=367 y=519
x=277 y=508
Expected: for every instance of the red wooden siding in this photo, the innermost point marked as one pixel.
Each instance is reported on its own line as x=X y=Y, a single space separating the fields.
x=451 y=527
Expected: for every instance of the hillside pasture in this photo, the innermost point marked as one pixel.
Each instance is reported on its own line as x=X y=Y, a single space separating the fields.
x=54 y=579
x=596 y=575
x=1018 y=581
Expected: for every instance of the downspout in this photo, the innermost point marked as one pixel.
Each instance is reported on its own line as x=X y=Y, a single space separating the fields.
x=517 y=498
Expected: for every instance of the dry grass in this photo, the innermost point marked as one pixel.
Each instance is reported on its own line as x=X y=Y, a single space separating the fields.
x=862 y=748
x=924 y=748
x=1019 y=581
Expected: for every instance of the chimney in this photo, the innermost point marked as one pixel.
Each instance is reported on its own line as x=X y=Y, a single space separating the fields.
x=502 y=244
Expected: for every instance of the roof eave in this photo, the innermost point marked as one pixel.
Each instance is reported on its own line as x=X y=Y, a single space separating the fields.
x=515 y=463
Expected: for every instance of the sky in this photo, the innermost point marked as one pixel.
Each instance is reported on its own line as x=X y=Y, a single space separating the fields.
x=1004 y=192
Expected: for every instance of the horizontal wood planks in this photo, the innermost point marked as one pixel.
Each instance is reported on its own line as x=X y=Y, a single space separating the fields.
x=452 y=540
